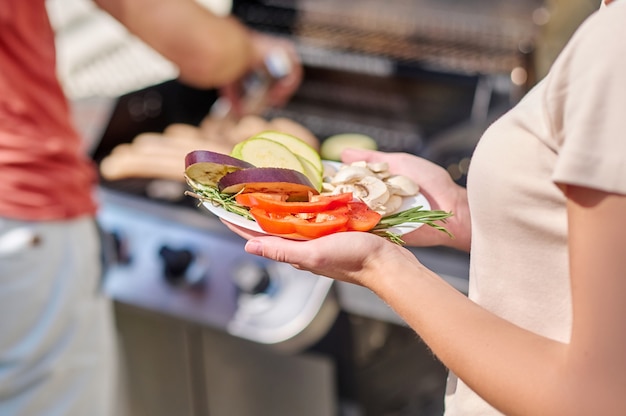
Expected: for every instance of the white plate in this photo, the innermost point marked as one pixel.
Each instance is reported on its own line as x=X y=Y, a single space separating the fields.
x=407 y=203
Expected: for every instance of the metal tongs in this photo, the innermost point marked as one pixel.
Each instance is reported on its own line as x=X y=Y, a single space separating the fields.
x=255 y=87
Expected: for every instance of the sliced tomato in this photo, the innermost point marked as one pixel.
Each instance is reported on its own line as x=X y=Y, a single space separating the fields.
x=361 y=217
x=277 y=203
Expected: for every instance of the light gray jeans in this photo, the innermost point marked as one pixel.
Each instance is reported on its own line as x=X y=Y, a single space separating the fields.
x=57 y=338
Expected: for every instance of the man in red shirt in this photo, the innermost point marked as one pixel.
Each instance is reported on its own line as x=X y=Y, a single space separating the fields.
x=57 y=340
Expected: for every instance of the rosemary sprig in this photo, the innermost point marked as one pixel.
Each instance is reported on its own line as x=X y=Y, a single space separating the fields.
x=393 y=237
x=211 y=194
x=412 y=215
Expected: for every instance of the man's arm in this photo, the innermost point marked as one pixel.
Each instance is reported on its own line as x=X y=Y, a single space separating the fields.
x=209 y=50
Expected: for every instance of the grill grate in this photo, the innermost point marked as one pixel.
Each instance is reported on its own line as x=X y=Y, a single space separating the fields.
x=453 y=56
x=469 y=36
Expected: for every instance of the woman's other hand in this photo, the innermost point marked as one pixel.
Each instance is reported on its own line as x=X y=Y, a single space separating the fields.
x=437 y=186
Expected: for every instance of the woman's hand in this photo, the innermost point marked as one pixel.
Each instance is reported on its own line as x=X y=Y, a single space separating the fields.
x=437 y=186
x=355 y=257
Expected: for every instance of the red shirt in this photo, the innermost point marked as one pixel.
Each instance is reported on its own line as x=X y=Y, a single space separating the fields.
x=45 y=173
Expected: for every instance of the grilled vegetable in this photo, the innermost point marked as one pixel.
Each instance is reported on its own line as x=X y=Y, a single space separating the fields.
x=207 y=168
x=268 y=180
x=297 y=146
x=267 y=153
x=332 y=147
x=281 y=150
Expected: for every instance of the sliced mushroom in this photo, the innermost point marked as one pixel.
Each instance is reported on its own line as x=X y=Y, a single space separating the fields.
x=393 y=203
x=383 y=174
x=372 y=183
x=329 y=171
x=357 y=190
x=402 y=185
x=378 y=167
x=348 y=174
x=359 y=163
x=327 y=187
x=377 y=192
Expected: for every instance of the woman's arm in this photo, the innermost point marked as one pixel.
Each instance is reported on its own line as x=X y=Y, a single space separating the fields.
x=517 y=371
x=522 y=373
x=595 y=364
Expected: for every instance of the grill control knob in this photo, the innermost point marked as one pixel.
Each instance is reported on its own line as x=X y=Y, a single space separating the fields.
x=115 y=246
x=251 y=278
x=176 y=266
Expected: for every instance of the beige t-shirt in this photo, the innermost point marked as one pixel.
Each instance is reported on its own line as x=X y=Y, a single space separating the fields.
x=571 y=128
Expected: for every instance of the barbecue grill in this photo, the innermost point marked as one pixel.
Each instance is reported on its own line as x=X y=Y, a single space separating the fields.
x=418 y=76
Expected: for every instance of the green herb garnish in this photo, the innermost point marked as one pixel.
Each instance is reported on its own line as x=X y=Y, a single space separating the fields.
x=210 y=194
x=412 y=215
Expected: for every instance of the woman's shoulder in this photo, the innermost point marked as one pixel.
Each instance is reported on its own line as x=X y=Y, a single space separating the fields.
x=596 y=53
x=602 y=34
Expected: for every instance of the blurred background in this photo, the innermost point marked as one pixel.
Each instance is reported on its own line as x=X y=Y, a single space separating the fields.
x=206 y=329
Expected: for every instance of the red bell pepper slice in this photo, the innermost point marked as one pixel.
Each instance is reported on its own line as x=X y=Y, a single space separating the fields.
x=308 y=226
x=361 y=217
x=277 y=203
